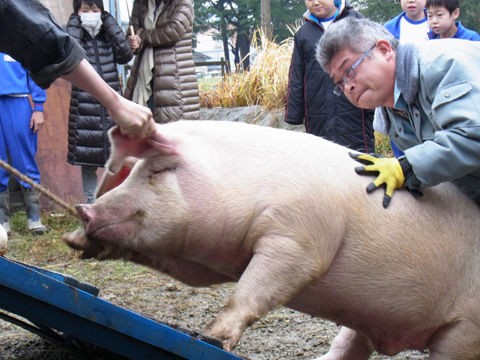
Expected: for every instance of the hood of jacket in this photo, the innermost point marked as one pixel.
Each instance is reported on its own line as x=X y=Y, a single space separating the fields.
x=339 y=4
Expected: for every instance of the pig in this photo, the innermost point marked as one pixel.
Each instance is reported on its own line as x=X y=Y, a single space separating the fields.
x=284 y=215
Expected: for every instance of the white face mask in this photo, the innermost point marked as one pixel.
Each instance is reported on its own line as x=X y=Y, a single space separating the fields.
x=92 y=22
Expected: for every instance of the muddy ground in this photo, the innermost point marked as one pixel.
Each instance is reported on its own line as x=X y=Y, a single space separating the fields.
x=283 y=334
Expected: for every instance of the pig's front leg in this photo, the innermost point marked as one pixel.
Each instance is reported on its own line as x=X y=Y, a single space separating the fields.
x=278 y=270
x=349 y=345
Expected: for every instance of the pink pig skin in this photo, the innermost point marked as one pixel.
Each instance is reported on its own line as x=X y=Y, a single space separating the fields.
x=285 y=216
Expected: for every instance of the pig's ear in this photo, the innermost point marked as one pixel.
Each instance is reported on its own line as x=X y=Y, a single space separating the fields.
x=122 y=147
x=112 y=180
x=161 y=144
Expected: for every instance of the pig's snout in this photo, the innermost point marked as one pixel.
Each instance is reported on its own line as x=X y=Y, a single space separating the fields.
x=106 y=222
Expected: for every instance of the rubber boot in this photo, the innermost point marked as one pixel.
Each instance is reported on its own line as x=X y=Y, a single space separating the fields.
x=5 y=211
x=32 y=207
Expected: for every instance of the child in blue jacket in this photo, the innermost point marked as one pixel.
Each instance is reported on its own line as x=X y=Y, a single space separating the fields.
x=19 y=125
x=443 y=20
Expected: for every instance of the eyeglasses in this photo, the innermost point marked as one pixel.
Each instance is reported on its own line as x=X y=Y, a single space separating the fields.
x=349 y=73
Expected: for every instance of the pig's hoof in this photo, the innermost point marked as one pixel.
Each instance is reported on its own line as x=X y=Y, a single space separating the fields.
x=227 y=345
x=229 y=341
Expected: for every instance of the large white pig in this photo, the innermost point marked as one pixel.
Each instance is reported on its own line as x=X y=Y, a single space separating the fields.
x=284 y=215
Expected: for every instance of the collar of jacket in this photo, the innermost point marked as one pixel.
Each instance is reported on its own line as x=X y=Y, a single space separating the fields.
x=406 y=73
x=308 y=16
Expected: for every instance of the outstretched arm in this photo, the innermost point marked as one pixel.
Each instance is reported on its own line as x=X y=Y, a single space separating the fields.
x=134 y=120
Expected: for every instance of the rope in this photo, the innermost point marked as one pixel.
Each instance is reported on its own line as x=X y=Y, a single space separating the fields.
x=38 y=187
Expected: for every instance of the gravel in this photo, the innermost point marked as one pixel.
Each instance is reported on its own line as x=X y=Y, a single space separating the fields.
x=282 y=334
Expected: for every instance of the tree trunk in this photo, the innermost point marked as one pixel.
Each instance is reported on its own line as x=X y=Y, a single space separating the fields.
x=243 y=47
x=226 y=53
x=266 y=19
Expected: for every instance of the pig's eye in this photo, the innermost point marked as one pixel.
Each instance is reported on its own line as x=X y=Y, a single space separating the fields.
x=156 y=172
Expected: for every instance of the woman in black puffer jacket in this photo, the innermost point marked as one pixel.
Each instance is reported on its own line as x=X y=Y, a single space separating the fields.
x=105 y=46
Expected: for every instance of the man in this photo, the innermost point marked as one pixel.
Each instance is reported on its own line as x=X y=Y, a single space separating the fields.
x=430 y=96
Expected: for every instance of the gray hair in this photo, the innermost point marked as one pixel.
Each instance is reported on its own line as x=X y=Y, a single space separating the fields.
x=355 y=34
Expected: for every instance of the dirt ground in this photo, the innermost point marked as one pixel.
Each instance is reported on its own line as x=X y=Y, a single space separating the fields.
x=282 y=334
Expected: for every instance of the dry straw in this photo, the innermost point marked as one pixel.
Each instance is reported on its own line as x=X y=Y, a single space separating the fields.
x=264 y=84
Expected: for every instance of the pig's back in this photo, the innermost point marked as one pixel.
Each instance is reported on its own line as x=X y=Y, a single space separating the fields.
x=263 y=150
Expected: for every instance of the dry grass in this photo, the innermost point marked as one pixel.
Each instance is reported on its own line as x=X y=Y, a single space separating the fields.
x=43 y=249
x=264 y=84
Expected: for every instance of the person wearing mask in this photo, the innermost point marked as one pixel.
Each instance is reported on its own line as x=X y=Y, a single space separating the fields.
x=105 y=46
x=30 y=35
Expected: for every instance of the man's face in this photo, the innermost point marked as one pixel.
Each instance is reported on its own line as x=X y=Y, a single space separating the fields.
x=414 y=8
x=322 y=9
x=371 y=83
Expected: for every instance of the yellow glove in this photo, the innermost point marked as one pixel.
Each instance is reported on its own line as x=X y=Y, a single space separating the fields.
x=388 y=170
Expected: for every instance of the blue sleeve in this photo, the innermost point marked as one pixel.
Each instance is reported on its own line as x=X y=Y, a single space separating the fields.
x=39 y=96
x=393 y=25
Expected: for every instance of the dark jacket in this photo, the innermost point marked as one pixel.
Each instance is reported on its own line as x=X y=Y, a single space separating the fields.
x=88 y=121
x=30 y=35
x=175 y=89
x=310 y=98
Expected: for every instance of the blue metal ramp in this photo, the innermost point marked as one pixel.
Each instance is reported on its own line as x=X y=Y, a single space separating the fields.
x=64 y=310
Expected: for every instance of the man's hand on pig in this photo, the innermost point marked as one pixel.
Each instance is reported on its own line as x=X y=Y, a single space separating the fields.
x=388 y=170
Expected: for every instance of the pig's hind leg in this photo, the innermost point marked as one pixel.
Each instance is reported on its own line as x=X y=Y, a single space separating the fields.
x=460 y=340
x=349 y=345
x=278 y=270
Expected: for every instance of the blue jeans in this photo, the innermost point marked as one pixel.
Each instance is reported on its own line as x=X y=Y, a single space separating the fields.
x=89 y=182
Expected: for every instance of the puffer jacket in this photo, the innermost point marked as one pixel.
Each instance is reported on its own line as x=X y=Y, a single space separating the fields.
x=88 y=121
x=310 y=98
x=175 y=88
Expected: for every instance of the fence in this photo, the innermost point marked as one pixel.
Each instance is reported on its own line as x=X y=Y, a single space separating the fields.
x=222 y=63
